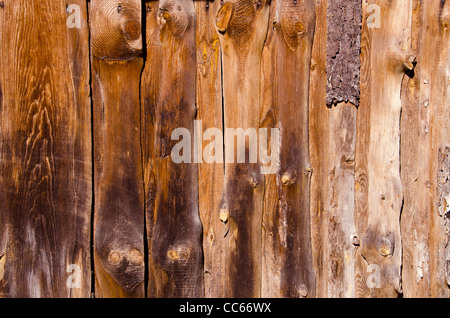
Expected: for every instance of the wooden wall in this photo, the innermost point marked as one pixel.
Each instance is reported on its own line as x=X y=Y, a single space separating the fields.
x=92 y=204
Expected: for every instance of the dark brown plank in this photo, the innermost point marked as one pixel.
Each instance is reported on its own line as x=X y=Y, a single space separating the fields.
x=294 y=25
x=116 y=47
x=175 y=246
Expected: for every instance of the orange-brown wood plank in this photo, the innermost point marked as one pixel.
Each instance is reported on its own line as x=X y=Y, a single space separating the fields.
x=379 y=197
x=45 y=150
x=242 y=25
x=293 y=26
x=318 y=145
x=211 y=169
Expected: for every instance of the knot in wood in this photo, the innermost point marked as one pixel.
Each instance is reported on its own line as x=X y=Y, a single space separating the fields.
x=132 y=30
x=181 y=253
x=444 y=18
x=254 y=183
x=136 y=257
x=116 y=30
x=174 y=17
x=133 y=256
x=302 y=291
x=114 y=258
x=224 y=215
x=294 y=22
x=386 y=247
x=289 y=177
x=355 y=240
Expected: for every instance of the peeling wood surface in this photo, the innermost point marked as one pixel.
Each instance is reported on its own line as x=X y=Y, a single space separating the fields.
x=92 y=203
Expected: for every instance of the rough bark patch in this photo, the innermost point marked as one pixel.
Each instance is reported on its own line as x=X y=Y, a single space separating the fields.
x=343 y=49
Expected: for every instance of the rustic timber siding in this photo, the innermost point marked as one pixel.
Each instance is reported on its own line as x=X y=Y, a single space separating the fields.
x=354 y=97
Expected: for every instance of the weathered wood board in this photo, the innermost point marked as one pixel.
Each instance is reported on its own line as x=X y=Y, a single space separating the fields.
x=175 y=245
x=224 y=148
x=116 y=45
x=45 y=151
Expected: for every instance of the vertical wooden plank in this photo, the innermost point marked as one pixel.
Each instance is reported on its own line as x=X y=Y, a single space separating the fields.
x=343 y=70
x=414 y=221
x=242 y=25
x=270 y=264
x=116 y=47
x=319 y=148
x=150 y=88
x=45 y=151
x=176 y=258
x=378 y=222
x=435 y=77
x=333 y=139
x=293 y=26
x=211 y=171
x=425 y=156
x=361 y=158
x=342 y=240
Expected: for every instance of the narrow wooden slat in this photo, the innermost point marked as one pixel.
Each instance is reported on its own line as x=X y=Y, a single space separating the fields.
x=150 y=88
x=318 y=144
x=270 y=264
x=414 y=221
x=361 y=158
x=211 y=174
x=45 y=151
x=175 y=248
x=425 y=156
x=435 y=85
x=116 y=46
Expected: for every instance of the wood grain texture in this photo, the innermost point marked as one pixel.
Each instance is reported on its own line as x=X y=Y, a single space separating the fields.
x=150 y=88
x=45 y=163
x=175 y=248
x=436 y=85
x=211 y=174
x=293 y=27
x=242 y=26
x=119 y=195
x=332 y=143
x=424 y=152
x=93 y=202
x=415 y=274
x=380 y=235
x=319 y=148
x=270 y=264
